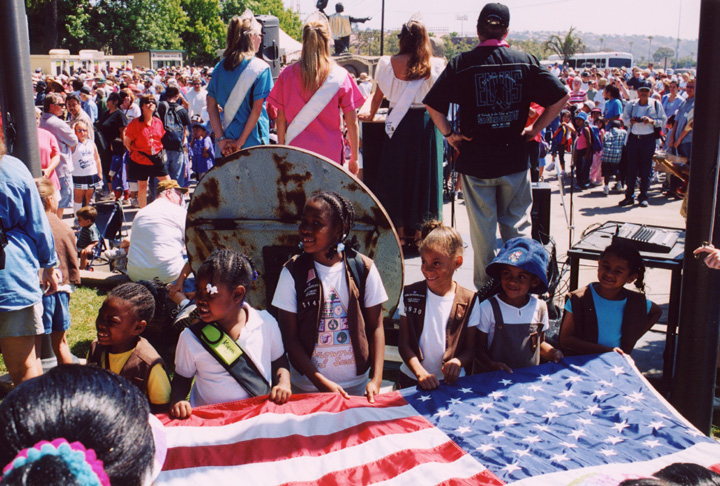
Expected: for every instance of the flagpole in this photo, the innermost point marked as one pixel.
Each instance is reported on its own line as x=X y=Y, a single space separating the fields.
x=699 y=332
x=382 y=29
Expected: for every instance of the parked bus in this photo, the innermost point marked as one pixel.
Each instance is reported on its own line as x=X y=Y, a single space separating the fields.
x=601 y=60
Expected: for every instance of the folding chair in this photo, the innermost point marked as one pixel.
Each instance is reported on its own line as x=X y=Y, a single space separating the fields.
x=111 y=234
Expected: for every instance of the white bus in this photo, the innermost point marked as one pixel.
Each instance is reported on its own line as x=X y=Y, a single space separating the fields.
x=601 y=60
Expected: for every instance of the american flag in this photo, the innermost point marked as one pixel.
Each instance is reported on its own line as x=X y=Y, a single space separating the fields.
x=586 y=420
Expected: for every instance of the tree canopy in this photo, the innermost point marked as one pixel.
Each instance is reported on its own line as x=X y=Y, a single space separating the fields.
x=567 y=46
x=121 y=26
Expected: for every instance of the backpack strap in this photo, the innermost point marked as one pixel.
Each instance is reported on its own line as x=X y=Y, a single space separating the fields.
x=232 y=357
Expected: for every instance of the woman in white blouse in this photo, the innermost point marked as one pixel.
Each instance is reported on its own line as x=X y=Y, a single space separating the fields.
x=412 y=148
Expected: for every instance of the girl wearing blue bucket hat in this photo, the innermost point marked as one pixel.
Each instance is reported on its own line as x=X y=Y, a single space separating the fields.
x=512 y=324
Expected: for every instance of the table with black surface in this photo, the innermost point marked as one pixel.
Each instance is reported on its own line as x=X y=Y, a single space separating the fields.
x=591 y=246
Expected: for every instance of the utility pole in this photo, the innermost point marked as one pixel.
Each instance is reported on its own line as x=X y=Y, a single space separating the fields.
x=382 y=29
x=699 y=326
x=16 y=94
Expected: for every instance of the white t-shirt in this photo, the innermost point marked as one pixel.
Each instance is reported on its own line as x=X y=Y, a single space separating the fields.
x=157 y=242
x=84 y=159
x=432 y=339
x=482 y=315
x=197 y=103
x=132 y=112
x=260 y=339
x=333 y=354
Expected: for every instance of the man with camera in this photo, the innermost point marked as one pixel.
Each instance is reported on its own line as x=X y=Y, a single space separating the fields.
x=645 y=118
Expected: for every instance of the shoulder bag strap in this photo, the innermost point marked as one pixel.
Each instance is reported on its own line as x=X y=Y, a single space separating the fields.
x=232 y=357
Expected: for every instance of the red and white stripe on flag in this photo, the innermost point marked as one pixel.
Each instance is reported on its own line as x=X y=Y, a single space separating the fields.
x=319 y=439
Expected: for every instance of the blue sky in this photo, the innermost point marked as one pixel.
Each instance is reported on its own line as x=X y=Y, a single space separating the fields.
x=643 y=17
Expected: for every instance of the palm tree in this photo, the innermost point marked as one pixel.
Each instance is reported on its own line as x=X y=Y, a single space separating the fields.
x=602 y=40
x=565 y=47
x=650 y=38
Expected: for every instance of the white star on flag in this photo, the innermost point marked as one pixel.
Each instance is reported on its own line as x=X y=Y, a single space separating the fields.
x=475 y=417
x=559 y=458
x=613 y=440
x=508 y=422
x=518 y=411
x=592 y=409
x=511 y=468
x=541 y=427
x=424 y=398
x=585 y=421
x=455 y=401
x=656 y=425
x=496 y=394
x=550 y=415
x=545 y=378
x=463 y=430
x=577 y=433
x=505 y=382
x=635 y=397
x=559 y=404
x=485 y=406
x=528 y=398
x=608 y=452
x=626 y=409
x=485 y=448
x=443 y=413
x=496 y=434
x=605 y=383
x=620 y=426
x=535 y=387
x=465 y=390
x=531 y=439
x=521 y=452
x=599 y=393
x=575 y=379
x=652 y=443
x=618 y=370
x=567 y=393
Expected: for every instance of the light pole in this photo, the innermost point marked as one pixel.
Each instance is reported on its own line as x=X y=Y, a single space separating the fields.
x=462 y=18
x=382 y=29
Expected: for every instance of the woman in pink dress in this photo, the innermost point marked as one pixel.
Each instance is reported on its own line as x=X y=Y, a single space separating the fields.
x=309 y=96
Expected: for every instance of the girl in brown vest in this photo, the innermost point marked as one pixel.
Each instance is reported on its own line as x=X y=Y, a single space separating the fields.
x=435 y=342
x=330 y=300
x=605 y=316
x=120 y=348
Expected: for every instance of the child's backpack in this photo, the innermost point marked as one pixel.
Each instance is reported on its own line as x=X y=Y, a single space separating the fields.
x=595 y=136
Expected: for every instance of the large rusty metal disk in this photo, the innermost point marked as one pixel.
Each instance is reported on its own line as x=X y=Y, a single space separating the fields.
x=252 y=202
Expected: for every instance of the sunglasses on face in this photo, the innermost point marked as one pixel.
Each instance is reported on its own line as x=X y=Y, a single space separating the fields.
x=81 y=130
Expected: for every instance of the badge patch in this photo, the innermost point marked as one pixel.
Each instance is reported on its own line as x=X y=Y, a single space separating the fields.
x=515 y=256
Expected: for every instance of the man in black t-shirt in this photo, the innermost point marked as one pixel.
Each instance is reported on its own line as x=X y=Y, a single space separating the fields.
x=493 y=86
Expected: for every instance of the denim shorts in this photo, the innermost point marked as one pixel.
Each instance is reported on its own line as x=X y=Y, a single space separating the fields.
x=56 y=312
x=66 y=192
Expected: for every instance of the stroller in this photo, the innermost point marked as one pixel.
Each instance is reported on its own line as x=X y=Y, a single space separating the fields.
x=110 y=223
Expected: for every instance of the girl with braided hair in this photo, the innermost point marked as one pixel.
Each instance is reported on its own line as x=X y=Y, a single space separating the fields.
x=120 y=348
x=330 y=305
x=229 y=322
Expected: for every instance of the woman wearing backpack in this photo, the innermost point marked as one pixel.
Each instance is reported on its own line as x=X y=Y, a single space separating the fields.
x=240 y=84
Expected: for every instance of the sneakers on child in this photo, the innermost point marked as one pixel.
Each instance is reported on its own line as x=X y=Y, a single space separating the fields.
x=628 y=201
x=644 y=203
x=550 y=166
x=606 y=190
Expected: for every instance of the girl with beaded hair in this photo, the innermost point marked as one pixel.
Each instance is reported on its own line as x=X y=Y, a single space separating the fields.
x=329 y=301
x=78 y=426
x=310 y=94
x=239 y=85
x=412 y=147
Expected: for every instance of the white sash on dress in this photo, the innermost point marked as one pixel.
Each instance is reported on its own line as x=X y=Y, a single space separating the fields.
x=255 y=68
x=402 y=106
x=316 y=104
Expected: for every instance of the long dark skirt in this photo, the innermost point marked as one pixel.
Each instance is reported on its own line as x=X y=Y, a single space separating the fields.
x=409 y=180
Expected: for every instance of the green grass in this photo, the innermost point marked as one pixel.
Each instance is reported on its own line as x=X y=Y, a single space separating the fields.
x=84 y=305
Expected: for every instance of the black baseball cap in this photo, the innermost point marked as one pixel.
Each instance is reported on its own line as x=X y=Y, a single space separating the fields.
x=495 y=13
x=644 y=85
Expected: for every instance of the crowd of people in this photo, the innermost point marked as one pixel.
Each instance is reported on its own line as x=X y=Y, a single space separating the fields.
x=135 y=135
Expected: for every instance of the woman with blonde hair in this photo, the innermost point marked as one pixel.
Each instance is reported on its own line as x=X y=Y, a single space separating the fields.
x=309 y=96
x=240 y=84
x=412 y=148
